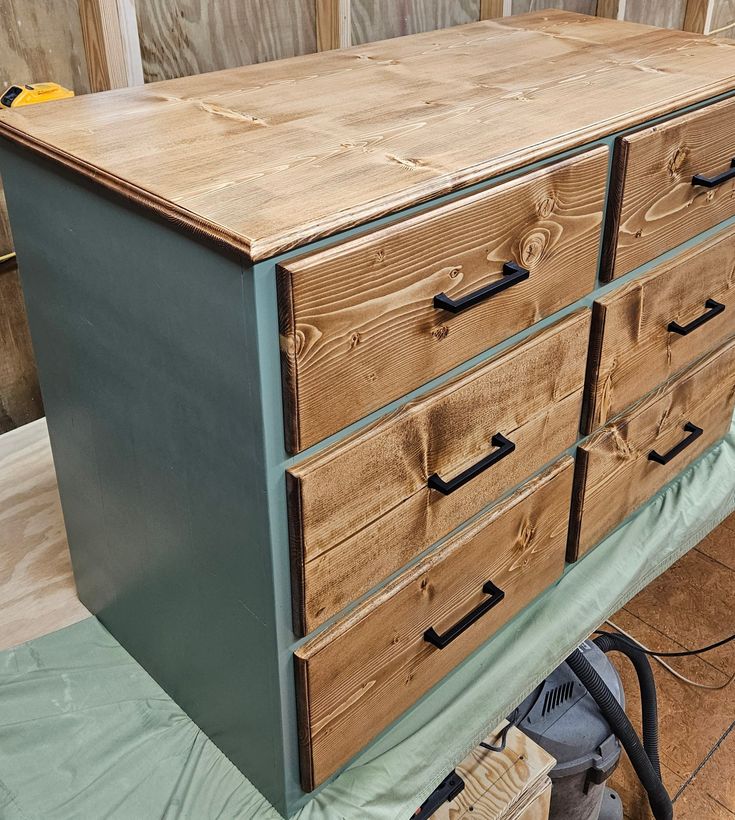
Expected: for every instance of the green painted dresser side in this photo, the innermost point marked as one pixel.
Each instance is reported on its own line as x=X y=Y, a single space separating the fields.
x=146 y=343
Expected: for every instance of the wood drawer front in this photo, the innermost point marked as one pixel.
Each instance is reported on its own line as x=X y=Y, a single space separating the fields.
x=358 y=321
x=615 y=473
x=362 y=509
x=654 y=206
x=646 y=331
x=359 y=675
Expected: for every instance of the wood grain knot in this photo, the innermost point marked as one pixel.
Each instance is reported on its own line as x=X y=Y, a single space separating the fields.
x=621 y=446
x=355 y=340
x=526 y=537
x=533 y=248
x=427 y=588
x=546 y=207
x=229 y=113
x=376 y=60
x=406 y=162
x=440 y=333
x=677 y=161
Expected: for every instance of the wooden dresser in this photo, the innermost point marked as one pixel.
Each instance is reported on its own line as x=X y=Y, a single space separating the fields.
x=343 y=356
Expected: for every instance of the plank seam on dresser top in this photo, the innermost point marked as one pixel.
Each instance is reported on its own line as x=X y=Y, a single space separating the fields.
x=539 y=28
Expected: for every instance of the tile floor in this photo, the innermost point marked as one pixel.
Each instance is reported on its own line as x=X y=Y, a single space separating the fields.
x=690 y=605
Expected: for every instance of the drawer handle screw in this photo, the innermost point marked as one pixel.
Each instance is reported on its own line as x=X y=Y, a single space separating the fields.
x=505 y=448
x=512 y=275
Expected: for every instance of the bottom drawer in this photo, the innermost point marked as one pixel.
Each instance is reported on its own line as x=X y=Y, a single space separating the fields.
x=630 y=459
x=362 y=673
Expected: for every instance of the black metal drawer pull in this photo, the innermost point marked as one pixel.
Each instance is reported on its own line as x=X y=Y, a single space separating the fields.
x=440 y=641
x=512 y=275
x=694 y=433
x=713 y=182
x=505 y=448
x=713 y=309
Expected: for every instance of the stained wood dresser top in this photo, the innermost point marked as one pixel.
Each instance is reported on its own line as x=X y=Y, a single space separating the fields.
x=267 y=157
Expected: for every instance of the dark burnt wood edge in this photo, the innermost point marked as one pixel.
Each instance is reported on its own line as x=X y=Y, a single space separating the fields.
x=297 y=556
x=614 y=208
x=590 y=402
x=289 y=363
x=576 y=508
x=303 y=718
x=198 y=226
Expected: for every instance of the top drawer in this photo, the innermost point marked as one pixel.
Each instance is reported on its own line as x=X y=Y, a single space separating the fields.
x=670 y=182
x=360 y=322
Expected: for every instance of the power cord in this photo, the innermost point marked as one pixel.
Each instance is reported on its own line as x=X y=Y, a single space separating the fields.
x=683 y=654
x=503 y=739
x=515 y=718
x=634 y=643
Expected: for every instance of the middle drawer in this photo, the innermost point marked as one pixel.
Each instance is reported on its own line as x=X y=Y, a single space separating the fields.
x=626 y=462
x=367 y=321
x=363 y=508
x=646 y=331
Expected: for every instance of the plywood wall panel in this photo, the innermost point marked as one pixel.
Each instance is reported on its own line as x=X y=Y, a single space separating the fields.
x=6 y=240
x=381 y=19
x=20 y=396
x=580 y=6
x=723 y=17
x=41 y=40
x=664 y=13
x=183 y=37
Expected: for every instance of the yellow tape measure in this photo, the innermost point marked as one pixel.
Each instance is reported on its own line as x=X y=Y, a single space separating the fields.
x=18 y=95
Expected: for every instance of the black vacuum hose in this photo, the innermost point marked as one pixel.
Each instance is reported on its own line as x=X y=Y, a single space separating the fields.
x=609 y=642
x=615 y=715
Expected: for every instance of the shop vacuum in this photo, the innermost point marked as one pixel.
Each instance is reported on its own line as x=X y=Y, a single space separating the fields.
x=578 y=716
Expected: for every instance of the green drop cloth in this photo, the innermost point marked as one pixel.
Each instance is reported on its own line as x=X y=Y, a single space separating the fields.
x=85 y=733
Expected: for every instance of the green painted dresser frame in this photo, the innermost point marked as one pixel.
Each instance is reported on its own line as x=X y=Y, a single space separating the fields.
x=160 y=369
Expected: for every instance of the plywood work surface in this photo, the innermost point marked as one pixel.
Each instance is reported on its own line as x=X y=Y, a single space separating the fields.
x=37 y=593
x=270 y=156
x=502 y=785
